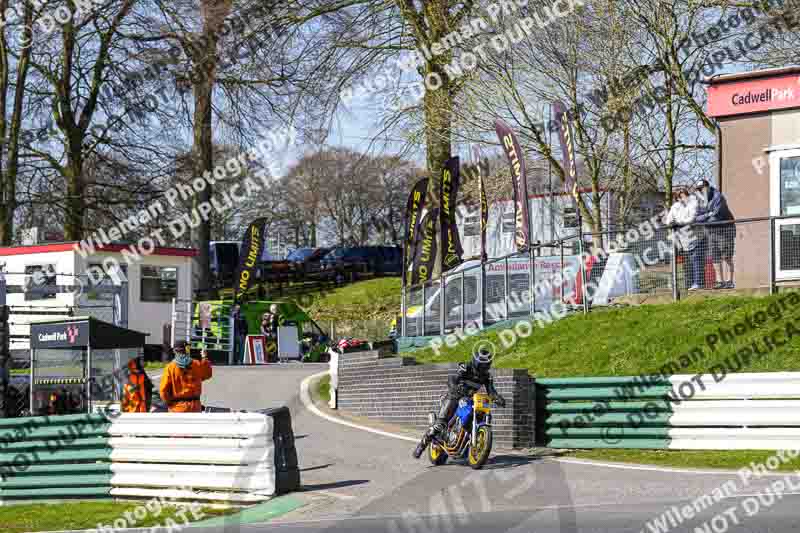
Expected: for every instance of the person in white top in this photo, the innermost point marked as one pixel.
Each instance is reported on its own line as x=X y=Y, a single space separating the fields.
x=682 y=213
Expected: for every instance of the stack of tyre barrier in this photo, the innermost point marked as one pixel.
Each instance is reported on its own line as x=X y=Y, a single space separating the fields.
x=287 y=468
x=242 y=457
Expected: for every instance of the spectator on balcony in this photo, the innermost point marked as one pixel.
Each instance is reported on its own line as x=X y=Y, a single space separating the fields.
x=681 y=214
x=722 y=236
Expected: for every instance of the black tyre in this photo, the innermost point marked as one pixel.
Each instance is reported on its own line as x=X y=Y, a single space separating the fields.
x=479 y=454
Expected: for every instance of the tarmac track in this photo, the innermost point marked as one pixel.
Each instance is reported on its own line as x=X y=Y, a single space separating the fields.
x=359 y=481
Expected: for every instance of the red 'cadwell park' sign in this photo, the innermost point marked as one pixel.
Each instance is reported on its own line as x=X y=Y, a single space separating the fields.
x=754 y=96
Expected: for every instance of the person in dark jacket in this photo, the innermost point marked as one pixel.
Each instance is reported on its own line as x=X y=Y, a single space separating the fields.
x=468 y=380
x=722 y=237
x=240 y=334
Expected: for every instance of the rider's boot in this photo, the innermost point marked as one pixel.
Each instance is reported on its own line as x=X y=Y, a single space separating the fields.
x=437 y=428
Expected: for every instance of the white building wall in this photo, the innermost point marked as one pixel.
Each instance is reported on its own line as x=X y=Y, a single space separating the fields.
x=147 y=317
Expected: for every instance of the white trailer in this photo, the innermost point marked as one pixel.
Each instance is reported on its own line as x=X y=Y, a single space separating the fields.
x=34 y=272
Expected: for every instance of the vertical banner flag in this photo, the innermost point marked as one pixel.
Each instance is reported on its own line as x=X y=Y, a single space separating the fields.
x=482 y=168
x=565 y=134
x=414 y=207
x=519 y=181
x=425 y=253
x=252 y=247
x=448 y=191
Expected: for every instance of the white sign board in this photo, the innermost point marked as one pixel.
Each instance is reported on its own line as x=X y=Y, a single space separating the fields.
x=288 y=343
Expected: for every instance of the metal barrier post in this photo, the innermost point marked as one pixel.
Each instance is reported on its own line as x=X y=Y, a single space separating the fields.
x=32 y=383
x=403 y=309
x=531 y=281
x=481 y=295
x=676 y=294
x=189 y=321
x=88 y=379
x=462 y=300
x=442 y=302
x=771 y=278
x=561 y=277
x=505 y=285
x=174 y=323
x=583 y=274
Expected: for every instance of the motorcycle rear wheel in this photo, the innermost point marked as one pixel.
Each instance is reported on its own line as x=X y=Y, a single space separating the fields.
x=479 y=454
x=437 y=455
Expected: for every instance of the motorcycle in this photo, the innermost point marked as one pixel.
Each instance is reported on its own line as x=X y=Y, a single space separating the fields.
x=468 y=434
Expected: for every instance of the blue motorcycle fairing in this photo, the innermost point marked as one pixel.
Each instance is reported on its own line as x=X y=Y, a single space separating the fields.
x=465 y=413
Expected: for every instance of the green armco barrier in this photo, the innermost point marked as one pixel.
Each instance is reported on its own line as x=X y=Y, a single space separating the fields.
x=27 y=482
x=54 y=446
x=603 y=412
x=612 y=432
x=591 y=408
x=57 y=493
x=55 y=457
x=610 y=419
x=552 y=383
x=603 y=393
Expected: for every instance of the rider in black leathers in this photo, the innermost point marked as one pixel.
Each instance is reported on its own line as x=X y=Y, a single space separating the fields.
x=470 y=378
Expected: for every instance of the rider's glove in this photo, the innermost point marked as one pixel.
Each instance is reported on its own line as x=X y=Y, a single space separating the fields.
x=500 y=401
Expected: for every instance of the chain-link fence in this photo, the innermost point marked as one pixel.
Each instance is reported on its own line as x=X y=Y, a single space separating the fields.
x=620 y=266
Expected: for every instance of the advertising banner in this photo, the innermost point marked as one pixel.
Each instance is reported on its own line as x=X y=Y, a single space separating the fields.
x=519 y=181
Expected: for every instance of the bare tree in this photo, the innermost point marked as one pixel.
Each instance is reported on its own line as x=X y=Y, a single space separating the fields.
x=16 y=42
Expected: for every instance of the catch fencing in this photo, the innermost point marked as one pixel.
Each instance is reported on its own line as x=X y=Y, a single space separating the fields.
x=653 y=264
x=745 y=411
x=221 y=457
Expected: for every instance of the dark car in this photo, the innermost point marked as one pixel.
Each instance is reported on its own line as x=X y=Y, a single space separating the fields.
x=307 y=259
x=377 y=260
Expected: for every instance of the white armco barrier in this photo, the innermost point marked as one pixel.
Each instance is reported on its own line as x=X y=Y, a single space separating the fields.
x=213 y=456
x=741 y=411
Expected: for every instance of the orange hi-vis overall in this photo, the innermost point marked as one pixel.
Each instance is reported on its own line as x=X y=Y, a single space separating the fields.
x=134 y=397
x=181 y=389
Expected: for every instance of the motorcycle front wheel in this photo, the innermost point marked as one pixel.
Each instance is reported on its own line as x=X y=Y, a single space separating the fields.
x=437 y=455
x=479 y=454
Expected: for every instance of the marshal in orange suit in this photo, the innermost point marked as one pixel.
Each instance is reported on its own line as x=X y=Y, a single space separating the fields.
x=182 y=382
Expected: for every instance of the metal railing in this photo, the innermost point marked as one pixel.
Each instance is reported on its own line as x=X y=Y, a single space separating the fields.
x=619 y=266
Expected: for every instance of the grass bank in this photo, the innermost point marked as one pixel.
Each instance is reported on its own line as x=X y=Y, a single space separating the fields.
x=87 y=515
x=629 y=341
x=324 y=388
x=725 y=459
x=364 y=309
x=634 y=340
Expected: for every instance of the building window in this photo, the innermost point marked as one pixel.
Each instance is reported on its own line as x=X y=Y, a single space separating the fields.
x=570 y=218
x=159 y=284
x=472 y=226
x=509 y=223
x=95 y=284
x=40 y=282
